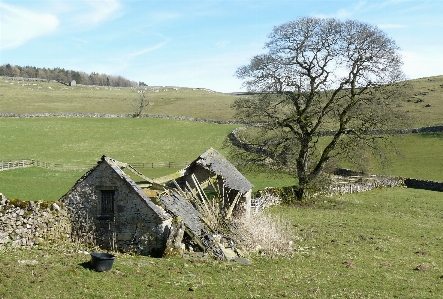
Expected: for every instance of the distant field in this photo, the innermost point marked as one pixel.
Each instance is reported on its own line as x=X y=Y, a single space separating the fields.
x=423 y=100
x=41 y=97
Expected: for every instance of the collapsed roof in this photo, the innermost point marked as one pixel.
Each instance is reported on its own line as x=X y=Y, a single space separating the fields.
x=162 y=197
x=213 y=161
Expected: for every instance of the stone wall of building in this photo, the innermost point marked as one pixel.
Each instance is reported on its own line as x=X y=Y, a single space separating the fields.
x=31 y=223
x=133 y=227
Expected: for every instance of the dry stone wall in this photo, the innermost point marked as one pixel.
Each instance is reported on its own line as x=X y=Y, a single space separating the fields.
x=348 y=184
x=32 y=223
x=108 y=115
x=366 y=184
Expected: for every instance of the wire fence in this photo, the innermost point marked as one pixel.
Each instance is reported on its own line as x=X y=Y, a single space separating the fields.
x=23 y=163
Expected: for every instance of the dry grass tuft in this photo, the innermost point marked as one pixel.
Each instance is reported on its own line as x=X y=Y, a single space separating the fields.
x=268 y=235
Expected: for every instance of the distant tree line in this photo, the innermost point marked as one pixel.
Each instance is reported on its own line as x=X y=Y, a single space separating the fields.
x=65 y=76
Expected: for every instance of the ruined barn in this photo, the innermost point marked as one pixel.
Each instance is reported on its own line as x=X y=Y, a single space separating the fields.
x=110 y=209
x=107 y=208
x=212 y=172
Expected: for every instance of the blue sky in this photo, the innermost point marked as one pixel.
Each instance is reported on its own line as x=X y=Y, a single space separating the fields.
x=195 y=43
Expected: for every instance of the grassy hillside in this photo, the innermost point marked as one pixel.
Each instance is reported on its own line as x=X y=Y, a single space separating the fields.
x=40 y=97
x=423 y=100
x=82 y=141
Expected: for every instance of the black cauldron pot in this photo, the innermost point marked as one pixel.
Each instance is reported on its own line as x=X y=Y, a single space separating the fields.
x=101 y=261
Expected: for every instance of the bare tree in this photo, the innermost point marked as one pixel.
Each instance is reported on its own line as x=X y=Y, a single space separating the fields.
x=141 y=103
x=319 y=74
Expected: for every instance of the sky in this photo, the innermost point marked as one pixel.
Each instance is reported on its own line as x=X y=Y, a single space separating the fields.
x=195 y=43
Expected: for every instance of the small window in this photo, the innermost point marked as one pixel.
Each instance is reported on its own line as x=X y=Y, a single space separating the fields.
x=107 y=202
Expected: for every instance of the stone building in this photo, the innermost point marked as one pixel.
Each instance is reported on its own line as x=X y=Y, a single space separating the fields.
x=109 y=209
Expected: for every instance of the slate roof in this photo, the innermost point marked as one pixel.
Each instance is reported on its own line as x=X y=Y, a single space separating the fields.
x=215 y=162
x=180 y=207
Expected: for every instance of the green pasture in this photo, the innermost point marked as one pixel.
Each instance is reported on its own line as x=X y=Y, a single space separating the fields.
x=420 y=156
x=379 y=244
x=82 y=141
x=53 y=97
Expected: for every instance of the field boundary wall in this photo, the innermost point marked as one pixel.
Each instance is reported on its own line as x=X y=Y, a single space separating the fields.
x=110 y=115
x=23 y=163
x=31 y=223
x=423 y=184
x=269 y=197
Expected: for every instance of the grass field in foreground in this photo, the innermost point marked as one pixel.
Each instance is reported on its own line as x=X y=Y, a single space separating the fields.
x=379 y=244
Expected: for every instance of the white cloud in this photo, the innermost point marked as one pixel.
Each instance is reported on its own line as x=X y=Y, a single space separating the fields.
x=145 y=50
x=101 y=10
x=19 y=25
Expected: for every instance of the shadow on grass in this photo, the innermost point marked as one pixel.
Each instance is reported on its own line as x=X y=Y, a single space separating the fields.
x=86 y=265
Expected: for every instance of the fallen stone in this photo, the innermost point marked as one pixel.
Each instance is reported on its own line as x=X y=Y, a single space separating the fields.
x=229 y=253
x=28 y=262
